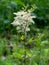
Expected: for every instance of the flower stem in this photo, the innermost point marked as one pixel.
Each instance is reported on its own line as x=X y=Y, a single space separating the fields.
x=25 y=33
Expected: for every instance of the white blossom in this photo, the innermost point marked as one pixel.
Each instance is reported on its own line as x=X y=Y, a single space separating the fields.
x=22 y=20
x=27 y=29
x=15 y=23
x=20 y=13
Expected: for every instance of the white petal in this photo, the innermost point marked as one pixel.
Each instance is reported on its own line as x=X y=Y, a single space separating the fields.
x=33 y=16
x=20 y=13
x=18 y=28
x=27 y=29
x=15 y=23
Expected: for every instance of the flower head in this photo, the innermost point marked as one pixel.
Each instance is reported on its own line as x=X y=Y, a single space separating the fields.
x=22 y=20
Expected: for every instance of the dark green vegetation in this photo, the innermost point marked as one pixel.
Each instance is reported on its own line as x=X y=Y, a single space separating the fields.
x=12 y=48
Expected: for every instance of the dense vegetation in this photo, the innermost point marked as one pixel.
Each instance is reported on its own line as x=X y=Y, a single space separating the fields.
x=15 y=49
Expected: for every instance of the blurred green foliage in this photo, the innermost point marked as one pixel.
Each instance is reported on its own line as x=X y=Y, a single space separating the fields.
x=11 y=42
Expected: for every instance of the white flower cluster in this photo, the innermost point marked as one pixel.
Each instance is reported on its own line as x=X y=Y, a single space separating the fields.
x=23 y=20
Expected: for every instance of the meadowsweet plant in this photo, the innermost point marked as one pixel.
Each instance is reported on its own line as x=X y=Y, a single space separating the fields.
x=22 y=20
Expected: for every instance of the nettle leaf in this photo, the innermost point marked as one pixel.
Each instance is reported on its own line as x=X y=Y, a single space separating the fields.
x=30 y=40
x=35 y=63
x=22 y=37
x=17 y=55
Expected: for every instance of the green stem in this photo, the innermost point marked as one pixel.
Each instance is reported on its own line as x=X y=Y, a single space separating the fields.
x=25 y=33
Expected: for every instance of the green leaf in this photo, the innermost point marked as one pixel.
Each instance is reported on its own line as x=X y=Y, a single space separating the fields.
x=22 y=37
x=30 y=40
x=35 y=63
